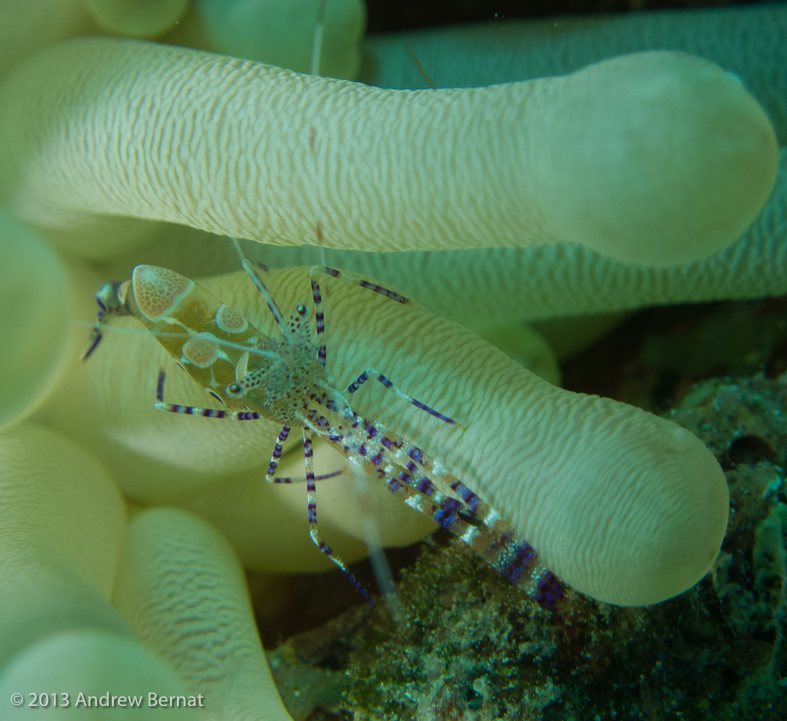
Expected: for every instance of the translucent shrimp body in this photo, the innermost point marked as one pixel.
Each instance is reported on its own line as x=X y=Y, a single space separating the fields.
x=286 y=381
x=623 y=506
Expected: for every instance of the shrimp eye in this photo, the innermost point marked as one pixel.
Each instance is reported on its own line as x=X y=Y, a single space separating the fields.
x=234 y=390
x=301 y=309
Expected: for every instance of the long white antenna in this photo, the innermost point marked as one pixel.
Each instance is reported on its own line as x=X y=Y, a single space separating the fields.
x=315 y=70
x=371 y=534
x=317 y=43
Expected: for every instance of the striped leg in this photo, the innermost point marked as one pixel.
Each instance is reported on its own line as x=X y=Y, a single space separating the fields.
x=405 y=454
x=424 y=498
x=369 y=372
x=160 y=405
x=323 y=477
x=311 y=497
x=317 y=270
x=108 y=305
x=276 y=455
x=469 y=518
x=491 y=538
x=319 y=316
x=410 y=457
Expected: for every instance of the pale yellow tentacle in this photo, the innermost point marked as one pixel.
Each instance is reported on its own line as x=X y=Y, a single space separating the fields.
x=182 y=589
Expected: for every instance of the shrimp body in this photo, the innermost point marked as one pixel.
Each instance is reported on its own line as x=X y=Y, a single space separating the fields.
x=218 y=347
x=286 y=380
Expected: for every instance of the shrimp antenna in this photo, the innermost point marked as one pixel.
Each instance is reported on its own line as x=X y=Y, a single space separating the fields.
x=374 y=544
x=257 y=280
x=317 y=42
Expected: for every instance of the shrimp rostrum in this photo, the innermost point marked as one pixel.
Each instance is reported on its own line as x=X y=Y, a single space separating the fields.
x=285 y=379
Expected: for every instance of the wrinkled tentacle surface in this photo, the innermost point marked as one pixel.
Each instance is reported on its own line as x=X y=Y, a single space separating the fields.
x=300 y=153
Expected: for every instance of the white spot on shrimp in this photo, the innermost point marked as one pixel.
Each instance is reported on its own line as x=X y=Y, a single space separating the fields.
x=157 y=291
x=202 y=350
x=229 y=320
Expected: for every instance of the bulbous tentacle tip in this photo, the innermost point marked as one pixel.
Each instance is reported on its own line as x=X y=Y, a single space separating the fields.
x=78 y=668
x=34 y=295
x=678 y=532
x=673 y=161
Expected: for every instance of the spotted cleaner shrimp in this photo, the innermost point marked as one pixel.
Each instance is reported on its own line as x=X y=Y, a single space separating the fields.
x=286 y=380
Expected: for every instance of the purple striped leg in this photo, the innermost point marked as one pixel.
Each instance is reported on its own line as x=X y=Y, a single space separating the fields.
x=371 y=372
x=276 y=455
x=311 y=498
x=469 y=518
x=409 y=457
x=108 y=305
x=484 y=531
x=160 y=405
x=323 y=477
x=316 y=270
